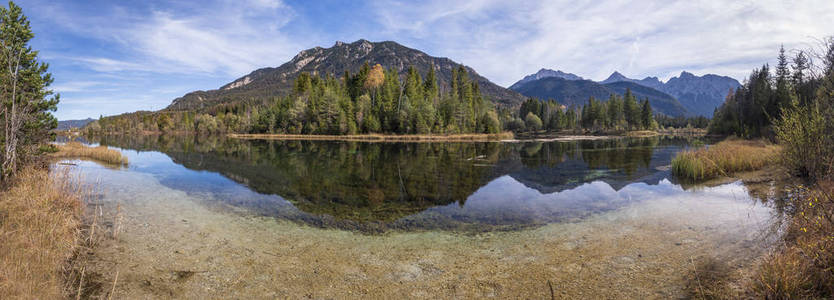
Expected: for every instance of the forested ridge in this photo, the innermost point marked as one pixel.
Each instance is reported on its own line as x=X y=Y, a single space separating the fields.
x=617 y=114
x=769 y=93
x=373 y=100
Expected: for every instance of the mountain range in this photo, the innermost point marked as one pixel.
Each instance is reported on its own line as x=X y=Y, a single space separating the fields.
x=278 y=81
x=544 y=73
x=577 y=92
x=72 y=124
x=697 y=95
x=686 y=95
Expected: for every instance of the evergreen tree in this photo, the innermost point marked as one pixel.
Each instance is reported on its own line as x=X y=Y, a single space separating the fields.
x=430 y=86
x=615 y=111
x=413 y=86
x=646 y=115
x=631 y=110
x=800 y=68
x=26 y=102
x=783 y=89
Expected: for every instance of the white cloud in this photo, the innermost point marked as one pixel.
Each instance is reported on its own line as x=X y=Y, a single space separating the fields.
x=223 y=43
x=229 y=38
x=171 y=48
x=75 y=86
x=505 y=40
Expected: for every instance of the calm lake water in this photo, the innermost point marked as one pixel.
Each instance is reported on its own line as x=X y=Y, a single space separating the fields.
x=376 y=187
x=324 y=219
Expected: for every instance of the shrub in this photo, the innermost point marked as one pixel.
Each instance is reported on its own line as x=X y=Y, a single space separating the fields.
x=805 y=268
x=533 y=122
x=807 y=136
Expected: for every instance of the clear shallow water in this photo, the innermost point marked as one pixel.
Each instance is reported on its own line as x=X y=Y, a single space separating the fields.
x=602 y=219
x=376 y=187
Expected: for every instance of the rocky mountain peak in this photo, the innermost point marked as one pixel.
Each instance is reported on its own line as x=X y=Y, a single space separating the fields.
x=278 y=81
x=687 y=75
x=615 y=77
x=545 y=73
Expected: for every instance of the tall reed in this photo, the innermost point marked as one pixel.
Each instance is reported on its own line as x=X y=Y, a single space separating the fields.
x=100 y=153
x=723 y=159
x=40 y=216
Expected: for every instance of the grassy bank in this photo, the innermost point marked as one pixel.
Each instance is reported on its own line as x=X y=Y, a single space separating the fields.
x=801 y=267
x=100 y=153
x=382 y=137
x=683 y=131
x=641 y=133
x=39 y=229
x=804 y=267
x=723 y=159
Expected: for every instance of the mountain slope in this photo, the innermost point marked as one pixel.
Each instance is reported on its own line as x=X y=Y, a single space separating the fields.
x=577 y=92
x=651 y=82
x=544 y=73
x=71 y=124
x=271 y=82
x=700 y=95
x=660 y=101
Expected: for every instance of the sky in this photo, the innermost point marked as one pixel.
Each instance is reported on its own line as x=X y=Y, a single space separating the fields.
x=111 y=57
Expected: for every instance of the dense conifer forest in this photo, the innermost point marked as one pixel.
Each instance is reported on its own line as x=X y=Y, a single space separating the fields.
x=373 y=100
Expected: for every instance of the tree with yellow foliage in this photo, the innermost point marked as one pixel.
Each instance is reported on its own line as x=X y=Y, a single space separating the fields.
x=376 y=76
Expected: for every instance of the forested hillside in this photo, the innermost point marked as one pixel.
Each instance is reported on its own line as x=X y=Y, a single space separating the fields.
x=266 y=83
x=577 y=92
x=373 y=100
x=617 y=114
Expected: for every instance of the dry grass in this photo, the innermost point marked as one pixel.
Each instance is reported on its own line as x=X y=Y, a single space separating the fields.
x=723 y=159
x=382 y=137
x=683 y=131
x=804 y=268
x=39 y=229
x=100 y=153
x=641 y=133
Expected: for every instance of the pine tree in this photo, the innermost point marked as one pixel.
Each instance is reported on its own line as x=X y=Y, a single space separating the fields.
x=800 y=67
x=646 y=115
x=414 y=86
x=430 y=86
x=783 y=88
x=615 y=111
x=631 y=110
x=26 y=102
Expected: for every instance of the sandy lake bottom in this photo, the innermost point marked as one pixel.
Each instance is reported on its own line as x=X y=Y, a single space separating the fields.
x=172 y=244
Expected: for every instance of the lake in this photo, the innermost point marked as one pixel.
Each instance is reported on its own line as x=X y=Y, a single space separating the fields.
x=209 y=217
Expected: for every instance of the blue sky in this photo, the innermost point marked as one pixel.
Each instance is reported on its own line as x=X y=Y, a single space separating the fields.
x=110 y=57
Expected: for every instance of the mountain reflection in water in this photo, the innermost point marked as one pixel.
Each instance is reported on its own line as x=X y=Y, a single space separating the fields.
x=379 y=186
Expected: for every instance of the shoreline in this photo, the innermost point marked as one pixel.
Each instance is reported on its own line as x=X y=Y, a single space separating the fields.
x=477 y=137
x=504 y=137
